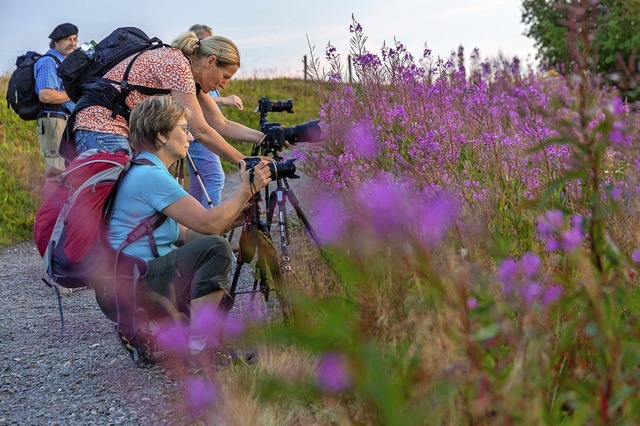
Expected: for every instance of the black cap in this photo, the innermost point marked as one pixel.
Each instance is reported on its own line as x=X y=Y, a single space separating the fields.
x=62 y=31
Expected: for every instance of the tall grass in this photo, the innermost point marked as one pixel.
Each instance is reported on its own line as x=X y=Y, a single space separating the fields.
x=21 y=174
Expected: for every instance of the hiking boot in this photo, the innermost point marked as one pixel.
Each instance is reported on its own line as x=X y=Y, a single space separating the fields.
x=140 y=344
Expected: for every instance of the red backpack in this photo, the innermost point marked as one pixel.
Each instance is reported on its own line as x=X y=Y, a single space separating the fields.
x=70 y=226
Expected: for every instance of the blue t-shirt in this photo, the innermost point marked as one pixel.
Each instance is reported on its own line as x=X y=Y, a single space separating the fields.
x=145 y=190
x=45 y=72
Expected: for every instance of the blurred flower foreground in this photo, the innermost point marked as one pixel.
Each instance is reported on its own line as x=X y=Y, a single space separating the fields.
x=479 y=245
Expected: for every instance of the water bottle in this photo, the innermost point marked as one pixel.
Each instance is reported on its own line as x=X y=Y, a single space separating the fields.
x=88 y=48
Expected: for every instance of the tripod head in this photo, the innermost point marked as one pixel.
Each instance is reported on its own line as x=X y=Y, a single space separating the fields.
x=277 y=135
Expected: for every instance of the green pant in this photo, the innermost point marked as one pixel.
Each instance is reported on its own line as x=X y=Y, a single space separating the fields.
x=50 y=131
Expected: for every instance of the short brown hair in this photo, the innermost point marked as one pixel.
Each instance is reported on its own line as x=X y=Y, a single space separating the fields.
x=155 y=115
x=201 y=30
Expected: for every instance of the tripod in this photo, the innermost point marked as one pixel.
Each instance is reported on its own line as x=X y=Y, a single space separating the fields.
x=256 y=237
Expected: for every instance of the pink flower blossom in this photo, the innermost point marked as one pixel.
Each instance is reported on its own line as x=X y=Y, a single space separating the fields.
x=200 y=394
x=333 y=374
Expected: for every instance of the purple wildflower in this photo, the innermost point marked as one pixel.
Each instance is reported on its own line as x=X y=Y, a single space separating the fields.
x=635 y=256
x=387 y=204
x=530 y=264
x=200 y=394
x=174 y=337
x=551 y=294
x=210 y=322
x=333 y=373
x=571 y=239
x=530 y=291
x=507 y=273
x=363 y=143
x=435 y=217
x=617 y=135
x=550 y=222
x=330 y=219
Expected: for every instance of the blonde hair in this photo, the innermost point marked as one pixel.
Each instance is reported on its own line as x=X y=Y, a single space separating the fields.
x=225 y=50
x=154 y=115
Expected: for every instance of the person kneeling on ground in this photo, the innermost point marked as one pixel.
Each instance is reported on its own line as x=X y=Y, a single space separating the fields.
x=193 y=275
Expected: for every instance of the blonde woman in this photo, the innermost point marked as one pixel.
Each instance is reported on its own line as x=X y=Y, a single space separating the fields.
x=188 y=70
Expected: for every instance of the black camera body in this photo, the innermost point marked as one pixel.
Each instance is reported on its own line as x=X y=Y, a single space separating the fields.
x=279 y=170
x=266 y=105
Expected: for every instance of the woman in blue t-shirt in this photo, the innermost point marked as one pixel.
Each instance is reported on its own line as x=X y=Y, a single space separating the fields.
x=194 y=274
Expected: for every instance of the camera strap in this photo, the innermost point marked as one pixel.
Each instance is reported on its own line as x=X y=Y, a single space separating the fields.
x=252 y=178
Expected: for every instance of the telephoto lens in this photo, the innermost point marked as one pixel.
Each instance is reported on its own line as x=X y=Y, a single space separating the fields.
x=305 y=132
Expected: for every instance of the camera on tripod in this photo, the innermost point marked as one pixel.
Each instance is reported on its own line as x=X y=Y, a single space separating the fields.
x=275 y=139
x=279 y=170
x=277 y=135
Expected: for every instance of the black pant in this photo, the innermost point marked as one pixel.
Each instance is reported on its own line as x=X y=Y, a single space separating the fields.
x=171 y=281
x=194 y=270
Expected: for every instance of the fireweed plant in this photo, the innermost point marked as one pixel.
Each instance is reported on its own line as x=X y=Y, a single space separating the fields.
x=480 y=222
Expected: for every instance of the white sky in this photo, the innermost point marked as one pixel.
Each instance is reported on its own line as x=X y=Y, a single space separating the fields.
x=272 y=34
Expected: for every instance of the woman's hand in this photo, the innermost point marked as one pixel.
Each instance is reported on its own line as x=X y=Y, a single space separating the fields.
x=261 y=176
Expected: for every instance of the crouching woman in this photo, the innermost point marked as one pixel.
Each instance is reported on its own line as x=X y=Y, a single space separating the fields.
x=195 y=273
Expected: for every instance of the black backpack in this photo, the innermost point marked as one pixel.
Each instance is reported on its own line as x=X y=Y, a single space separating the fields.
x=82 y=75
x=21 y=90
x=81 y=68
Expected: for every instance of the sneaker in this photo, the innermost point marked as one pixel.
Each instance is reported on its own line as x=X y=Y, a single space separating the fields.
x=227 y=357
x=140 y=345
x=222 y=357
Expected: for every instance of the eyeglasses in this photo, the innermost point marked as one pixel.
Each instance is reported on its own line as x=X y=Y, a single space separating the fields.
x=185 y=127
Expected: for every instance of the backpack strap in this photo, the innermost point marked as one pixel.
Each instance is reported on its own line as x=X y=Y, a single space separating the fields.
x=145 y=227
x=55 y=58
x=126 y=88
x=101 y=91
x=52 y=107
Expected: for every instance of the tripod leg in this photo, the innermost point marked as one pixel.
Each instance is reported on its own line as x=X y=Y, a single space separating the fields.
x=268 y=261
x=197 y=174
x=228 y=299
x=295 y=202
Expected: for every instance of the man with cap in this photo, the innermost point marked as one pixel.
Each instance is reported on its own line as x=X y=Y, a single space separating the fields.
x=56 y=106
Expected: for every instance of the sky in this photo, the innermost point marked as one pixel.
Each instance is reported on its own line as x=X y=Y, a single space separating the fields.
x=274 y=35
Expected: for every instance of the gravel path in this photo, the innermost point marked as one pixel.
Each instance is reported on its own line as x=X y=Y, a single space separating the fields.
x=87 y=378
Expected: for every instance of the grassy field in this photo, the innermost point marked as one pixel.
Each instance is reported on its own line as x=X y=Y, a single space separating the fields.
x=22 y=167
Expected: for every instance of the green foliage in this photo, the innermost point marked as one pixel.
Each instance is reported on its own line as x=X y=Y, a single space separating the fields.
x=558 y=29
x=21 y=177
x=542 y=21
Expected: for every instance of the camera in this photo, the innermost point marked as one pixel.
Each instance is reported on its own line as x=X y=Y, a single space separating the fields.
x=276 y=134
x=279 y=170
x=266 y=105
x=306 y=132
